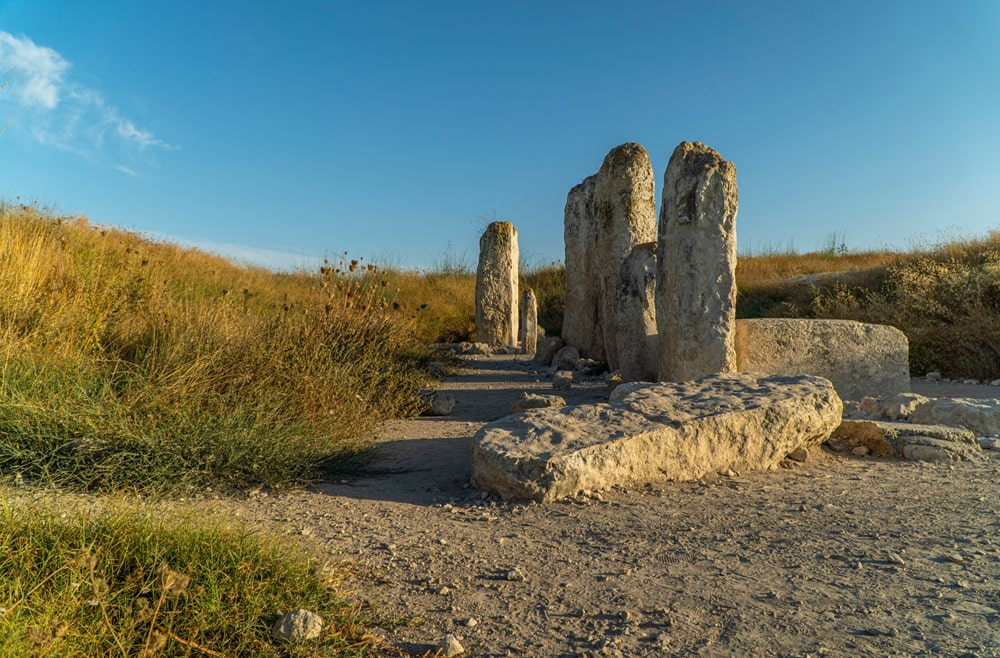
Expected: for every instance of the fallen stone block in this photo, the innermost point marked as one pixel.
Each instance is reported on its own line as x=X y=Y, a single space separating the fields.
x=980 y=416
x=898 y=407
x=906 y=440
x=533 y=401
x=547 y=349
x=860 y=359
x=674 y=431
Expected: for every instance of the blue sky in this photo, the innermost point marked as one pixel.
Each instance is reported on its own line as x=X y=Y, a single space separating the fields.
x=284 y=132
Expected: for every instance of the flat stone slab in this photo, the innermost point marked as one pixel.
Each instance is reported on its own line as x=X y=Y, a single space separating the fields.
x=652 y=432
x=981 y=416
x=907 y=440
x=860 y=359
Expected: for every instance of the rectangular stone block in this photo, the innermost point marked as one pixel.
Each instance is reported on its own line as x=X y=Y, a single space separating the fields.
x=860 y=359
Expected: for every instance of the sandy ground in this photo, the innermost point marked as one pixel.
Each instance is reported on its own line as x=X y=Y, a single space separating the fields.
x=837 y=556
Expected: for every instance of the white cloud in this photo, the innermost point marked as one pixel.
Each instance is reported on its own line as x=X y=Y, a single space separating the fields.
x=41 y=68
x=61 y=113
x=270 y=258
x=126 y=171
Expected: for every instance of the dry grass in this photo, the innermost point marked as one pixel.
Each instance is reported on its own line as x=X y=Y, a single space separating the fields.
x=128 y=363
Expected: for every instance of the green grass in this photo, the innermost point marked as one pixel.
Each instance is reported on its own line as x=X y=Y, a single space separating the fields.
x=117 y=583
x=130 y=364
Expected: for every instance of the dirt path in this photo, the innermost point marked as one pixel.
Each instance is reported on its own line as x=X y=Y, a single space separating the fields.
x=838 y=557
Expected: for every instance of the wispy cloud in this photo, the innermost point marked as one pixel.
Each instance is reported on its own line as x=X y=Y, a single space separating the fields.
x=274 y=259
x=59 y=112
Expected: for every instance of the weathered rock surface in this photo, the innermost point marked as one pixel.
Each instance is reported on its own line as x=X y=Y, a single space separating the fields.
x=674 y=431
x=298 y=626
x=581 y=321
x=496 y=285
x=450 y=646
x=860 y=359
x=980 y=416
x=696 y=265
x=898 y=407
x=527 y=335
x=438 y=403
x=562 y=380
x=547 y=348
x=907 y=440
x=625 y=203
x=534 y=401
x=638 y=342
x=566 y=358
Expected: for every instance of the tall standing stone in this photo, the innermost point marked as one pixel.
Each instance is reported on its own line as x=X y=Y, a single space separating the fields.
x=496 y=285
x=527 y=334
x=635 y=316
x=581 y=320
x=625 y=203
x=696 y=265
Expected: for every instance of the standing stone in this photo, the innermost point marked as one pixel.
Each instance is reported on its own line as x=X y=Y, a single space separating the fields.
x=635 y=316
x=496 y=285
x=581 y=321
x=696 y=265
x=625 y=203
x=527 y=334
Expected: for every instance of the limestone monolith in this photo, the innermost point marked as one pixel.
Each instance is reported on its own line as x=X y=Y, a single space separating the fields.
x=527 y=335
x=696 y=265
x=581 y=321
x=496 y=285
x=625 y=204
x=635 y=316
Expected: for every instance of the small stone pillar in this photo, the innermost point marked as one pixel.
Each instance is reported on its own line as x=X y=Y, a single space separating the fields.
x=527 y=334
x=696 y=265
x=625 y=203
x=581 y=319
x=635 y=316
x=496 y=285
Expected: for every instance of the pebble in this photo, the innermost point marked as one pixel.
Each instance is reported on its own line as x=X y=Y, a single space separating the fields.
x=989 y=443
x=471 y=622
x=934 y=375
x=859 y=451
x=995 y=382
x=450 y=646
x=799 y=455
x=895 y=558
x=971 y=382
x=955 y=558
x=514 y=575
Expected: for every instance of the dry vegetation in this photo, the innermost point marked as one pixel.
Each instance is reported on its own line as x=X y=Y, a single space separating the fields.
x=946 y=298
x=132 y=364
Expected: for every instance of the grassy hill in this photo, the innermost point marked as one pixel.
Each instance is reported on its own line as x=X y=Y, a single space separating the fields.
x=126 y=363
